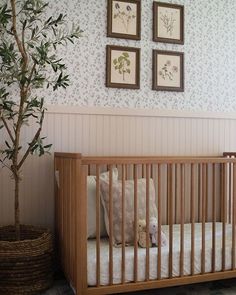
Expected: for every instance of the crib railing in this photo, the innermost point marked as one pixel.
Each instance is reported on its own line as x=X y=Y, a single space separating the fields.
x=187 y=190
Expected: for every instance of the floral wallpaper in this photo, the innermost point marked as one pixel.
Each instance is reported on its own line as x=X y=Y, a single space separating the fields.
x=210 y=58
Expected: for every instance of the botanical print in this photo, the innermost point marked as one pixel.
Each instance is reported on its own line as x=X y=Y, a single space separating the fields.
x=168 y=23
x=168 y=70
x=124 y=15
x=122 y=65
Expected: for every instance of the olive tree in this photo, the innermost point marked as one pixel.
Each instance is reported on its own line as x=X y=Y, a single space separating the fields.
x=29 y=60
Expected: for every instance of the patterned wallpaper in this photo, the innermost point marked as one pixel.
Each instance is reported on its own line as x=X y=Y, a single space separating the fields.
x=210 y=58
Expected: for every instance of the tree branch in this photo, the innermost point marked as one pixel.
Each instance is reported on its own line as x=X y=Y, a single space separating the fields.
x=23 y=91
x=19 y=44
x=29 y=148
x=8 y=129
x=31 y=74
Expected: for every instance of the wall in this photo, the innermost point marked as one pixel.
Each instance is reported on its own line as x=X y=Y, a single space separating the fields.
x=103 y=132
x=210 y=58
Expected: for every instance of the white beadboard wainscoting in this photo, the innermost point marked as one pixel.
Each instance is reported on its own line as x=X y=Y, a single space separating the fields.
x=101 y=131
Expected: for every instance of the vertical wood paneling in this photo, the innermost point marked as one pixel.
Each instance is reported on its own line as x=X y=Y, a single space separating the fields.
x=107 y=135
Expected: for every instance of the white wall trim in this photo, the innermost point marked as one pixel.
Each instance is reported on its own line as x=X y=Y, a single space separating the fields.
x=63 y=109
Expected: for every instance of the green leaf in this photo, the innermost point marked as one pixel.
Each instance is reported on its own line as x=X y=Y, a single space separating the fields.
x=125 y=54
x=48 y=146
x=5 y=16
x=7 y=144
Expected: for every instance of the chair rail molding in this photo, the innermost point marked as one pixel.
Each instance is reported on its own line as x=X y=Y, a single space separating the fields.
x=137 y=112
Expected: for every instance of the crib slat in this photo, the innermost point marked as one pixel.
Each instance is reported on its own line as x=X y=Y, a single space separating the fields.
x=110 y=227
x=98 y=225
x=199 y=192
x=182 y=221
x=203 y=216
x=224 y=214
x=126 y=172
x=170 y=211
x=168 y=193
x=147 y=219
x=123 y=225
x=206 y=192
x=192 y=219
x=176 y=193
x=62 y=255
x=135 y=224
x=213 y=217
x=143 y=171
x=70 y=209
x=159 y=204
x=89 y=169
x=230 y=194
x=234 y=212
x=221 y=190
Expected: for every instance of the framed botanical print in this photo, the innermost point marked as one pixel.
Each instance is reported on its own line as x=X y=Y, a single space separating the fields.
x=124 y=19
x=168 y=70
x=123 y=67
x=168 y=23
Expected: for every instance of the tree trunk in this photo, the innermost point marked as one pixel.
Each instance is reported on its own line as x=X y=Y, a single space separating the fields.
x=17 y=208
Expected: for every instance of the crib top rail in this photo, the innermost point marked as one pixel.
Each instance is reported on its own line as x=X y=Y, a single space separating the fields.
x=119 y=160
x=154 y=160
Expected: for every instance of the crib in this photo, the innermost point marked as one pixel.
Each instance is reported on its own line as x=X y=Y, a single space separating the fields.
x=195 y=199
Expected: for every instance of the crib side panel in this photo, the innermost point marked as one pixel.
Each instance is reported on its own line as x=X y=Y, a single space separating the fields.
x=192 y=199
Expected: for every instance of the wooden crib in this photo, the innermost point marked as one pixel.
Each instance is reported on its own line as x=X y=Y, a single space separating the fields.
x=196 y=203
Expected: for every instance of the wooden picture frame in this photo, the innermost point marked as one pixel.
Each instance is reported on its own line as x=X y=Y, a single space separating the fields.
x=168 y=23
x=168 y=70
x=124 y=19
x=123 y=67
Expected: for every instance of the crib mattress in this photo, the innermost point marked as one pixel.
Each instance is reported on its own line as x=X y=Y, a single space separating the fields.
x=129 y=255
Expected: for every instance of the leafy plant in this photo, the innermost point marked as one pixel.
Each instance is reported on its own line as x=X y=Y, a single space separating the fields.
x=168 y=22
x=28 y=61
x=168 y=72
x=122 y=64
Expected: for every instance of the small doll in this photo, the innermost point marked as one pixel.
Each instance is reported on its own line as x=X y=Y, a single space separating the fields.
x=142 y=234
x=153 y=228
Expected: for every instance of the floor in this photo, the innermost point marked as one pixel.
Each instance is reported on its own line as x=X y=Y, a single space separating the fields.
x=226 y=287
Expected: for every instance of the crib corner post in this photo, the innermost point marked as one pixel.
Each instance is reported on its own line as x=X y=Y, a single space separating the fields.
x=81 y=228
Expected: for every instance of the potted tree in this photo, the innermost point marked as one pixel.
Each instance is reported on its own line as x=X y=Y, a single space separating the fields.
x=28 y=48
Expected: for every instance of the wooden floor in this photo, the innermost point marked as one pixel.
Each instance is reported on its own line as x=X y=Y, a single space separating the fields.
x=226 y=287
x=59 y=289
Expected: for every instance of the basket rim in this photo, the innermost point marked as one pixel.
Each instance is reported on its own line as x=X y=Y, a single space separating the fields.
x=42 y=231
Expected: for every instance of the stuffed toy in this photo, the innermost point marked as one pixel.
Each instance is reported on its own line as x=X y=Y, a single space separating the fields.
x=142 y=234
x=153 y=228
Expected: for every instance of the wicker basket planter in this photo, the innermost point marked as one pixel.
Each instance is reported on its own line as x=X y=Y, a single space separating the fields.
x=26 y=265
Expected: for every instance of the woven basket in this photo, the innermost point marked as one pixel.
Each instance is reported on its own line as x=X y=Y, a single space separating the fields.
x=26 y=266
